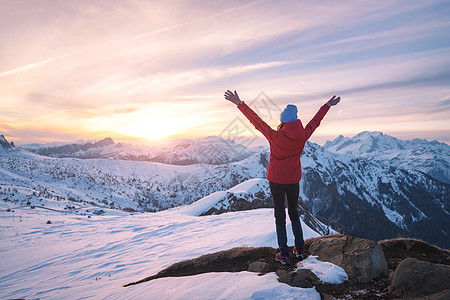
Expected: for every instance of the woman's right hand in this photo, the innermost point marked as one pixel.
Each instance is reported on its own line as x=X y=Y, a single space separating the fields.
x=232 y=97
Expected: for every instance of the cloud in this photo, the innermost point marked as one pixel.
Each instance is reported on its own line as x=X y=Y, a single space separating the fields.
x=27 y=67
x=441 y=107
x=444 y=103
x=96 y=58
x=437 y=79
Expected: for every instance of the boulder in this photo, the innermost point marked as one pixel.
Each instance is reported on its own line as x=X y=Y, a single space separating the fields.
x=396 y=250
x=258 y=267
x=281 y=272
x=363 y=260
x=308 y=275
x=416 y=278
x=295 y=280
x=444 y=295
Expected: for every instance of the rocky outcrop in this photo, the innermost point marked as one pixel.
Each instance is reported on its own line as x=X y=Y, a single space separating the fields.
x=303 y=278
x=233 y=260
x=396 y=250
x=414 y=278
x=4 y=143
x=263 y=199
x=363 y=260
x=260 y=267
x=295 y=279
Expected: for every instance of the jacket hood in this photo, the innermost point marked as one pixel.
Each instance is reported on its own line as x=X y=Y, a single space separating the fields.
x=294 y=130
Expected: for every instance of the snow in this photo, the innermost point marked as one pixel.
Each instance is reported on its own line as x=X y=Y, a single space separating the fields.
x=243 y=285
x=92 y=257
x=202 y=205
x=197 y=208
x=211 y=149
x=326 y=271
x=249 y=186
x=138 y=185
x=394 y=217
x=431 y=158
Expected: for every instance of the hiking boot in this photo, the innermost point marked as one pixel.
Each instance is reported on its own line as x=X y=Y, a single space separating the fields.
x=298 y=254
x=282 y=259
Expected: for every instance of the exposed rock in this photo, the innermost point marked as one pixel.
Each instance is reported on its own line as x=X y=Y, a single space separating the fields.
x=232 y=202
x=396 y=250
x=281 y=272
x=444 y=295
x=105 y=142
x=375 y=289
x=362 y=259
x=258 y=267
x=308 y=275
x=416 y=278
x=294 y=279
x=263 y=199
x=352 y=254
x=233 y=260
x=4 y=143
x=328 y=297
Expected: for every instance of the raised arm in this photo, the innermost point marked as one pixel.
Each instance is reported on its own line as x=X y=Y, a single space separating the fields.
x=259 y=124
x=232 y=97
x=315 y=122
x=334 y=101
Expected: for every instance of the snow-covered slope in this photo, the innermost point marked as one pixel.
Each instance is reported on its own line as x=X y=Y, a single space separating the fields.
x=54 y=255
x=372 y=200
x=250 y=194
x=357 y=196
x=432 y=158
x=126 y=185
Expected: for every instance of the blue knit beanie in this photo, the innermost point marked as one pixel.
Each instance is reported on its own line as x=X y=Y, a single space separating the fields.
x=289 y=114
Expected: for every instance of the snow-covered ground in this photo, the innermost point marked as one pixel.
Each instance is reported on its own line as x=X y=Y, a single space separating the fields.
x=124 y=184
x=75 y=256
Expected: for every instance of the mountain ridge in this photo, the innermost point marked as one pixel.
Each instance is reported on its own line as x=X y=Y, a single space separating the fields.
x=354 y=195
x=432 y=158
x=5 y=144
x=181 y=151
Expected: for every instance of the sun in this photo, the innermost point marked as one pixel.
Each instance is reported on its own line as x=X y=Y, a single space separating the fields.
x=152 y=125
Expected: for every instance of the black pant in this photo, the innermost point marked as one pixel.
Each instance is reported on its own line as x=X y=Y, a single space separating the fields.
x=279 y=193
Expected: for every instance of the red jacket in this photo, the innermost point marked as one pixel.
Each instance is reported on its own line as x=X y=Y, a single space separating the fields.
x=286 y=144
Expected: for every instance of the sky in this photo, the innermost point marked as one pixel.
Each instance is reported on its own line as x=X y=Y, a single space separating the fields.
x=145 y=71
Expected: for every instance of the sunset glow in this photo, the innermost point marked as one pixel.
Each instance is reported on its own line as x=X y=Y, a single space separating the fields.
x=154 y=125
x=155 y=70
x=153 y=128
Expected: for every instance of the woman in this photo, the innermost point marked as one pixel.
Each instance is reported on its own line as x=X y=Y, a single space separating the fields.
x=284 y=172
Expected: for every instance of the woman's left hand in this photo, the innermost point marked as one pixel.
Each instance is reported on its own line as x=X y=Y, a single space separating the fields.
x=333 y=101
x=232 y=97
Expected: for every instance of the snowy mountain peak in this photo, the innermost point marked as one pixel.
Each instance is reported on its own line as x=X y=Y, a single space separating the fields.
x=210 y=150
x=363 y=142
x=369 y=134
x=209 y=140
x=432 y=158
x=105 y=142
x=339 y=190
